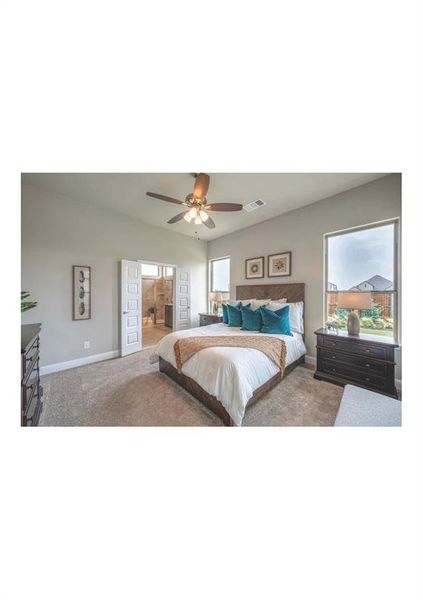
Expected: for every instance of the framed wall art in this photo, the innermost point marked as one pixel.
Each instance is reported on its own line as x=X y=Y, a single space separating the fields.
x=254 y=268
x=279 y=265
x=81 y=292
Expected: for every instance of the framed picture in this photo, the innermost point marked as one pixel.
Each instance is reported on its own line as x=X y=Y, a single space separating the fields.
x=279 y=265
x=81 y=292
x=254 y=268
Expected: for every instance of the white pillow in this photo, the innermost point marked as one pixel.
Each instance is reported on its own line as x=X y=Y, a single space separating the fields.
x=295 y=313
x=296 y=316
x=255 y=304
x=243 y=302
x=276 y=304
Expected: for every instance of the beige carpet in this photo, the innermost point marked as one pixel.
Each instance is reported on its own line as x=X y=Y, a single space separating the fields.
x=130 y=391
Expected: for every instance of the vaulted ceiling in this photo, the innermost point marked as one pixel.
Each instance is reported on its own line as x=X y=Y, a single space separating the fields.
x=125 y=193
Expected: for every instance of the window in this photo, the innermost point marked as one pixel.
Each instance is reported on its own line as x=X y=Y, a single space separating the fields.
x=168 y=271
x=364 y=260
x=150 y=270
x=219 y=274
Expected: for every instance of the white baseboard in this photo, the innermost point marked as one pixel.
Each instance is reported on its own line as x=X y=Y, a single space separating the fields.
x=78 y=362
x=311 y=360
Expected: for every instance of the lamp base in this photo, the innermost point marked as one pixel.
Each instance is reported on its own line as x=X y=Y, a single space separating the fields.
x=353 y=323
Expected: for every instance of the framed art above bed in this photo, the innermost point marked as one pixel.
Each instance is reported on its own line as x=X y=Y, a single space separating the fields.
x=279 y=265
x=254 y=268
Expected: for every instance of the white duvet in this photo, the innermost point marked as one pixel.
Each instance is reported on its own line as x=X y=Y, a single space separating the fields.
x=230 y=374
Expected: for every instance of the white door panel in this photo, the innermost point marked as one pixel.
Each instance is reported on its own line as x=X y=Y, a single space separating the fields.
x=183 y=300
x=130 y=307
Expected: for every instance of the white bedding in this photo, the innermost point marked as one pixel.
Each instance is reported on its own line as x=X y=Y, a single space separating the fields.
x=230 y=374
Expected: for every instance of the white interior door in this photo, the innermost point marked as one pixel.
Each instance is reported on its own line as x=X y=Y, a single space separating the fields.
x=183 y=300
x=130 y=291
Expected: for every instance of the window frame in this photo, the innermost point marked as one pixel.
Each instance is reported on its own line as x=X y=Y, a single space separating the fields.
x=210 y=278
x=395 y=292
x=149 y=275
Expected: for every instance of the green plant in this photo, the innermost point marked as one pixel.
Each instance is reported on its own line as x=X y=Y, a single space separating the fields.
x=379 y=323
x=342 y=313
x=28 y=304
x=389 y=323
x=341 y=317
x=367 y=322
x=372 y=313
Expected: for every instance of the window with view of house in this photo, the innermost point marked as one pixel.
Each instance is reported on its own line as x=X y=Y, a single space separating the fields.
x=364 y=260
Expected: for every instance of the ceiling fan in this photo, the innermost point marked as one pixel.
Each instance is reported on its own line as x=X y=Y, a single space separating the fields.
x=197 y=204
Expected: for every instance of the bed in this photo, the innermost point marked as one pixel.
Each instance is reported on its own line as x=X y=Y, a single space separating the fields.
x=229 y=380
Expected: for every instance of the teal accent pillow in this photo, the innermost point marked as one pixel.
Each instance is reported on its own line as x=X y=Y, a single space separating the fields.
x=235 y=315
x=251 y=319
x=225 y=313
x=276 y=321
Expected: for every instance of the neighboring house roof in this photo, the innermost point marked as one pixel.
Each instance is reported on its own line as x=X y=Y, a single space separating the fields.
x=377 y=282
x=332 y=286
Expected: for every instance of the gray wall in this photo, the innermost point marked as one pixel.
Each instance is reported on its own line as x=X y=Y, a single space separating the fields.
x=58 y=232
x=301 y=231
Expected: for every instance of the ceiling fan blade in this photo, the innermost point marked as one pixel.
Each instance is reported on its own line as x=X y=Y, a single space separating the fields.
x=210 y=223
x=201 y=186
x=166 y=198
x=226 y=206
x=177 y=217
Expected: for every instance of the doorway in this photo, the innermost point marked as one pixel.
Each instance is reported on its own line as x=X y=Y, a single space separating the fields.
x=157 y=301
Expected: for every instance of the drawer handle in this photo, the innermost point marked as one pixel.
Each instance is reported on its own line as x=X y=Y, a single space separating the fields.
x=367 y=378
x=334 y=370
x=368 y=351
x=367 y=365
x=334 y=356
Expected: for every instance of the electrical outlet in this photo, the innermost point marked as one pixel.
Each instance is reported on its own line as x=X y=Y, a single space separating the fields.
x=86 y=345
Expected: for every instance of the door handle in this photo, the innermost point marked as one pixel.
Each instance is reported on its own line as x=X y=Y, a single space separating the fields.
x=125 y=312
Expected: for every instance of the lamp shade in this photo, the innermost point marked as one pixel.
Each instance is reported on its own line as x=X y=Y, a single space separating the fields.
x=218 y=296
x=358 y=300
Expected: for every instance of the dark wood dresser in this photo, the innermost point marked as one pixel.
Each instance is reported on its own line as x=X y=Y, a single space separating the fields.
x=364 y=360
x=31 y=390
x=209 y=319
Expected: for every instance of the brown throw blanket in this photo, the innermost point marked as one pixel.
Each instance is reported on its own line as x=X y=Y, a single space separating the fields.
x=272 y=347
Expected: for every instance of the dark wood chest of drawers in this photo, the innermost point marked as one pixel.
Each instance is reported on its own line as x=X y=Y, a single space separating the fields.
x=360 y=360
x=209 y=319
x=31 y=390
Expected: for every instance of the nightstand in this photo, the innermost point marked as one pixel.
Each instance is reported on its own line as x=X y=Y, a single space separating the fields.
x=367 y=361
x=209 y=319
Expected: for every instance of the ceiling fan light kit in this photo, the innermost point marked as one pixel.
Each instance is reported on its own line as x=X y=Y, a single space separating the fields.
x=197 y=204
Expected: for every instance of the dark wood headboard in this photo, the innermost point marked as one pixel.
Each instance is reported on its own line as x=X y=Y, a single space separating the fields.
x=293 y=292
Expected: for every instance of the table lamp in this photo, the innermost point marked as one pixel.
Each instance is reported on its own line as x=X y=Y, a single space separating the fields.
x=217 y=298
x=355 y=301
